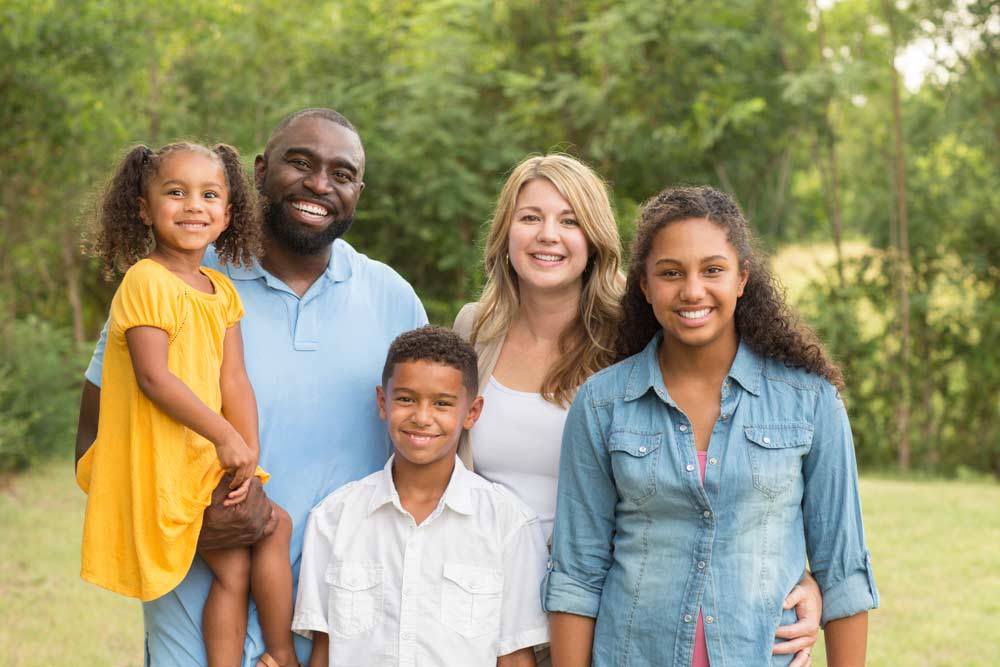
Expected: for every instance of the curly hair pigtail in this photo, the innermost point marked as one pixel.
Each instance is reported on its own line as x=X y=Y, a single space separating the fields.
x=241 y=242
x=122 y=238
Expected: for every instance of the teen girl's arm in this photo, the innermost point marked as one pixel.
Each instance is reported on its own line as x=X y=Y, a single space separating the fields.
x=239 y=406
x=582 y=537
x=320 y=656
x=835 y=538
x=524 y=657
x=147 y=346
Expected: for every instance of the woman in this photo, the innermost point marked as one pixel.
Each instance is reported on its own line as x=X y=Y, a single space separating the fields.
x=720 y=375
x=548 y=319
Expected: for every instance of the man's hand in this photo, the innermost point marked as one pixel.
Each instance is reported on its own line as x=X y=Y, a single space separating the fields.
x=806 y=599
x=237 y=525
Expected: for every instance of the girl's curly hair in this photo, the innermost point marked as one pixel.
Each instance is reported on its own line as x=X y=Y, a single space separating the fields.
x=763 y=320
x=121 y=237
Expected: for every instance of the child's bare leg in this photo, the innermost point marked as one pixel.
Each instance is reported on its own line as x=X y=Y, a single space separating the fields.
x=224 y=621
x=271 y=584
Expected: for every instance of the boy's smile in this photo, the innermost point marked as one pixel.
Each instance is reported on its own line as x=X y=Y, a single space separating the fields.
x=426 y=406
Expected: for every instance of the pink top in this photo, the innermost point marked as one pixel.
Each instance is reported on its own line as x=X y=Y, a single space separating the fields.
x=700 y=658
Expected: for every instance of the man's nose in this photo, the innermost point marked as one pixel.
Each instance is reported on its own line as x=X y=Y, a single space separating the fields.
x=319 y=182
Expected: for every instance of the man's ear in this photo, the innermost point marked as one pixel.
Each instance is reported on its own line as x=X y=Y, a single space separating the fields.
x=380 y=400
x=475 y=409
x=259 y=170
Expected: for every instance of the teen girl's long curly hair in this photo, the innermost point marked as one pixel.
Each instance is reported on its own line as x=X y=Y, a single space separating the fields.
x=763 y=320
x=588 y=344
x=121 y=237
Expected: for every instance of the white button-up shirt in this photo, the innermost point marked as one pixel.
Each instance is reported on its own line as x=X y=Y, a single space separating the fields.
x=461 y=588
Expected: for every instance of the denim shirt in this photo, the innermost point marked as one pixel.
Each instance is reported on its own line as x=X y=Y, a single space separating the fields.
x=641 y=544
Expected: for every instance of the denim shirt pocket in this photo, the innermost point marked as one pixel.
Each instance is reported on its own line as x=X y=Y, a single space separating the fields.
x=776 y=452
x=355 y=591
x=634 y=460
x=470 y=599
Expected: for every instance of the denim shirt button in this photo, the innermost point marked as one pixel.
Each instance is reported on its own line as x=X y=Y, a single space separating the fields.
x=688 y=618
x=706 y=514
x=709 y=619
x=701 y=565
x=642 y=450
x=689 y=467
x=713 y=460
x=767 y=440
x=682 y=427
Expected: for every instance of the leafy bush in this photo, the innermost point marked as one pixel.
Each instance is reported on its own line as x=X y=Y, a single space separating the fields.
x=40 y=373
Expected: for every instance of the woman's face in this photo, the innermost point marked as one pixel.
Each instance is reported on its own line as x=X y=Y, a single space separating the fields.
x=692 y=280
x=547 y=248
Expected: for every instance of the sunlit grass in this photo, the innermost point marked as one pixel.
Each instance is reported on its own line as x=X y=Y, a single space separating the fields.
x=933 y=547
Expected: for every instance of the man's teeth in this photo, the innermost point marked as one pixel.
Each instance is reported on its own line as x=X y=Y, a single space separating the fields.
x=547 y=258
x=312 y=209
x=694 y=314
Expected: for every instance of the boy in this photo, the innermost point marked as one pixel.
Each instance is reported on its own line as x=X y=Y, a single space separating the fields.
x=424 y=562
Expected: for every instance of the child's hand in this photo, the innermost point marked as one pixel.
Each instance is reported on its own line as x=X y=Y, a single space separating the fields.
x=236 y=457
x=239 y=494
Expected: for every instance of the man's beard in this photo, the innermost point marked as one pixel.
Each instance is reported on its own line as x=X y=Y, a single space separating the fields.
x=297 y=238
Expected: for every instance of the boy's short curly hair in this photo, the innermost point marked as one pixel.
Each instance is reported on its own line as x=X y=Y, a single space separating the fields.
x=438 y=345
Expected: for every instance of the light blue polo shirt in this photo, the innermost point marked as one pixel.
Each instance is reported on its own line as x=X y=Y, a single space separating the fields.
x=314 y=363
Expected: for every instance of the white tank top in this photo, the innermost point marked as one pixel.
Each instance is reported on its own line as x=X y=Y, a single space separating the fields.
x=516 y=443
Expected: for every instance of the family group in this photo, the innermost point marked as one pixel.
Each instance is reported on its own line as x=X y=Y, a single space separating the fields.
x=600 y=464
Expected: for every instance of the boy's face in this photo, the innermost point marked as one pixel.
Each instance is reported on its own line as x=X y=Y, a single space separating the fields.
x=426 y=406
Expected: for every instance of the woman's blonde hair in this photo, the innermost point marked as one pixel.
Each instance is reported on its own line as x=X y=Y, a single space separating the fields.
x=588 y=344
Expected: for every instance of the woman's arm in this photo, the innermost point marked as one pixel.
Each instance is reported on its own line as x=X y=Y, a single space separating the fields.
x=239 y=406
x=847 y=641
x=147 y=346
x=572 y=639
x=320 y=656
x=806 y=599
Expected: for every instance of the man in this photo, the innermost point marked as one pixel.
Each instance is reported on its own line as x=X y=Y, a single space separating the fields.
x=319 y=318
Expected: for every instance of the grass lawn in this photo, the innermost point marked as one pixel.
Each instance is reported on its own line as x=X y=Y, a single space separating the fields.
x=934 y=547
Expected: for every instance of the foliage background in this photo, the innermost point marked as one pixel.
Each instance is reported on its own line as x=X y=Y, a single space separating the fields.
x=795 y=106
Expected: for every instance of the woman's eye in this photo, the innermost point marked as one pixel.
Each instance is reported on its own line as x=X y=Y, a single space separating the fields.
x=444 y=404
x=712 y=270
x=670 y=273
x=570 y=222
x=529 y=217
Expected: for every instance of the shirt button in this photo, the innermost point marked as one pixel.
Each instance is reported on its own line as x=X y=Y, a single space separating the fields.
x=687 y=618
x=548 y=565
x=709 y=619
x=706 y=514
x=683 y=427
x=713 y=460
x=642 y=450
x=724 y=417
x=701 y=565
x=767 y=440
x=690 y=468
x=407 y=635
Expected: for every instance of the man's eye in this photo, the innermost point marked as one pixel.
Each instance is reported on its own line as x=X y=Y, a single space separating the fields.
x=298 y=162
x=444 y=404
x=343 y=176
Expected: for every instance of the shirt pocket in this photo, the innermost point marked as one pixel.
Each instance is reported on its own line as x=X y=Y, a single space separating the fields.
x=776 y=452
x=470 y=599
x=355 y=602
x=634 y=460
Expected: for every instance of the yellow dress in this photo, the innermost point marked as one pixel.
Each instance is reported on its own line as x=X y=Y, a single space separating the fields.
x=148 y=478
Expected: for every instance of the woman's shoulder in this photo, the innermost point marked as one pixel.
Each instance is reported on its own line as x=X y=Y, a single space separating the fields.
x=466 y=319
x=775 y=371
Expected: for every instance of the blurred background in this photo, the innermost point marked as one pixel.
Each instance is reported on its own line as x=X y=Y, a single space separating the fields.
x=862 y=138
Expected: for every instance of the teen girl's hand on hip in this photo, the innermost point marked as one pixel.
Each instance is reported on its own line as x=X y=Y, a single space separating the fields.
x=806 y=599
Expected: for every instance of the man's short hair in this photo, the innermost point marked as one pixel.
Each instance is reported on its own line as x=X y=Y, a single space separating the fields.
x=438 y=345
x=312 y=112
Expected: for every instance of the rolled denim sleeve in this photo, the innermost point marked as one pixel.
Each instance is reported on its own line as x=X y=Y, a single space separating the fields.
x=585 y=515
x=831 y=506
x=96 y=365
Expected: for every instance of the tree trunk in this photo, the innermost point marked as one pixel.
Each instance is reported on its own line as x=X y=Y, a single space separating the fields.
x=902 y=251
x=71 y=269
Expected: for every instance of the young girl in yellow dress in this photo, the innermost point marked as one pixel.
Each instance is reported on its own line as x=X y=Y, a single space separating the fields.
x=177 y=408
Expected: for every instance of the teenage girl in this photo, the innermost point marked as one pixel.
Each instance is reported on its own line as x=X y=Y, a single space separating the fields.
x=177 y=409
x=548 y=319
x=699 y=473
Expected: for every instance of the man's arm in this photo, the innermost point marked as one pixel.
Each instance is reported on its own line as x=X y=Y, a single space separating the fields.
x=86 y=425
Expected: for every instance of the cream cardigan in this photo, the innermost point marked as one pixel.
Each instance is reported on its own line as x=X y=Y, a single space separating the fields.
x=488 y=352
